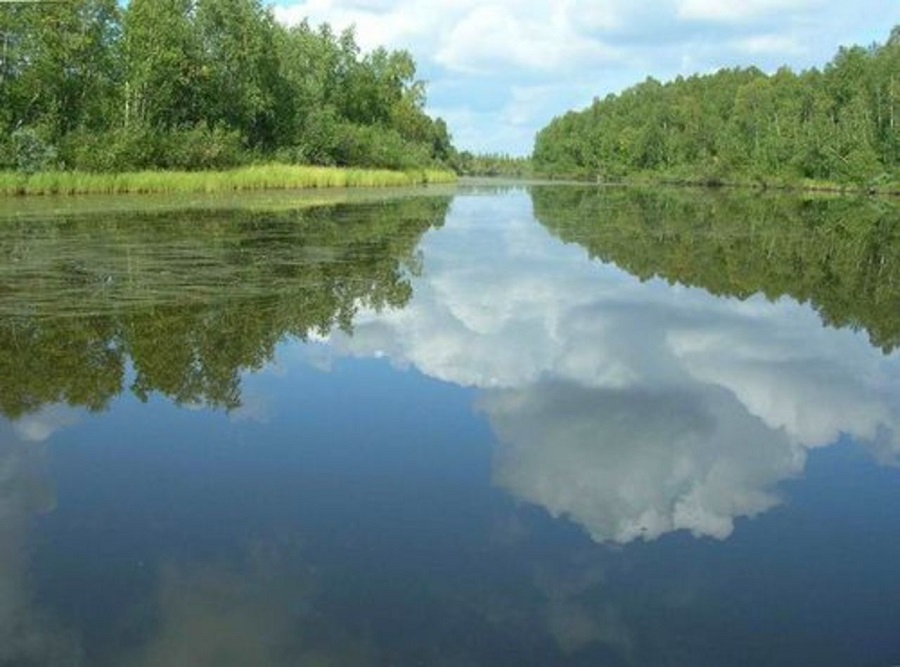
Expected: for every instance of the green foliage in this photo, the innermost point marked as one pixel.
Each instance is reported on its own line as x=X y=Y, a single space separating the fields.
x=841 y=124
x=58 y=65
x=368 y=144
x=164 y=73
x=201 y=84
x=140 y=147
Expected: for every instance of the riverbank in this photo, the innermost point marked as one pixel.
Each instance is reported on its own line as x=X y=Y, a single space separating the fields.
x=888 y=188
x=257 y=177
x=787 y=184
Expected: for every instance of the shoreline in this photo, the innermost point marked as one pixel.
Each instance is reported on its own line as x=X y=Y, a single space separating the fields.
x=798 y=186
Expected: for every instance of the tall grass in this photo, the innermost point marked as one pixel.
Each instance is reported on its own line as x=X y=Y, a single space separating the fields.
x=257 y=177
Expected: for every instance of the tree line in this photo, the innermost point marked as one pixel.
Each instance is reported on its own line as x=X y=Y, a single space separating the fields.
x=197 y=84
x=840 y=124
x=467 y=163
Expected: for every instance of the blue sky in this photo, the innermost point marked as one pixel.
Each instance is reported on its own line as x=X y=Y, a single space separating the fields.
x=499 y=70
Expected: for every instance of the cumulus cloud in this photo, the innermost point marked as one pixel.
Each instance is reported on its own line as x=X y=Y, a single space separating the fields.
x=633 y=408
x=491 y=37
x=466 y=35
x=582 y=48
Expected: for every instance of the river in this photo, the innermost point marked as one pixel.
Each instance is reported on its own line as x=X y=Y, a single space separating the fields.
x=499 y=425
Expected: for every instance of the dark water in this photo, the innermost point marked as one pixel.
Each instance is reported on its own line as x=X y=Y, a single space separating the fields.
x=563 y=426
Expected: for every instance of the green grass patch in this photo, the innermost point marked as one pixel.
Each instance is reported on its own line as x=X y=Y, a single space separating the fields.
x=256 y=177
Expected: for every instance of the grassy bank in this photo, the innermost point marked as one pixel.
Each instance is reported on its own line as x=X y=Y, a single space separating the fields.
x=258 y=177
x=243 y=200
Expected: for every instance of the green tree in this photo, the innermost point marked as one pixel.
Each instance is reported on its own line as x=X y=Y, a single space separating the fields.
x=59 y=69
x=164 y=67
x=240 y=81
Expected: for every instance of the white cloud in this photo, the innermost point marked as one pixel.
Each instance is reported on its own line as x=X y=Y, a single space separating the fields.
x=813 y=390
x=531 y=104
x=492 y=37
x=729 y=11
x=634 y=408
x=464 y=34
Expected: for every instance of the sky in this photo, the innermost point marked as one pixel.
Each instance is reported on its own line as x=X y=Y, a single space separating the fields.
x=499 y=70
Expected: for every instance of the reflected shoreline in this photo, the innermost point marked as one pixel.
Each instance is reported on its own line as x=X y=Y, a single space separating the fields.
x=841 y=255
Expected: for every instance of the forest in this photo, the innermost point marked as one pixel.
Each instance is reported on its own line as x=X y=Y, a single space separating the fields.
x=201 y=84
x=840 y=124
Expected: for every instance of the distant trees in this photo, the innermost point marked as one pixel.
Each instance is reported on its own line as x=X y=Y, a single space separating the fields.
x=89 y=84
x=838 y=124
x=491 y=164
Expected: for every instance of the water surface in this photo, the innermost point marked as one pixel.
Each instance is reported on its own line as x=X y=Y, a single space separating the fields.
x=543 y=426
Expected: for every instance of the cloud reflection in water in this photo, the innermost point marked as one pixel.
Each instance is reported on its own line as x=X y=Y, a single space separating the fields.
x=635 y=409
x=27 y=634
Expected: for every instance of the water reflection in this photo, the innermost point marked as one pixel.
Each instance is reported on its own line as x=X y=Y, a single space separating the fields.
x=182 y=306
x=348 y=507
x=189 y=300
x=634 y=408
x=28 y=635
x=258 y=611
x=841 y=255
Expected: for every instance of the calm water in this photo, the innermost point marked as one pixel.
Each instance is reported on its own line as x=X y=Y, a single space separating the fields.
x=556 y=426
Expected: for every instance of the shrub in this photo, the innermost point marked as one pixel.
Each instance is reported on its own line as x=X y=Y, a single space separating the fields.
x=201 y=147
x=367 y=145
